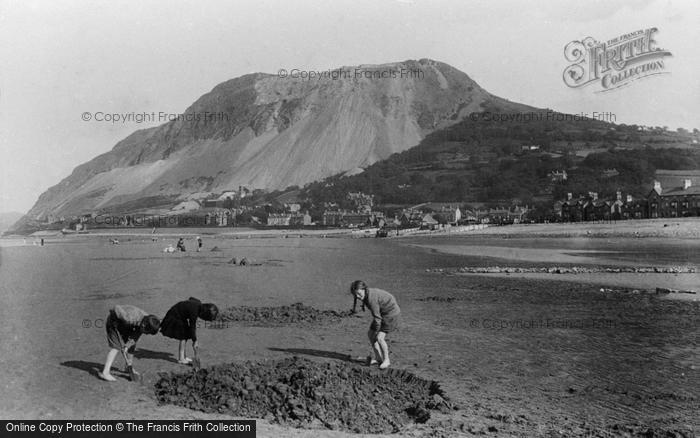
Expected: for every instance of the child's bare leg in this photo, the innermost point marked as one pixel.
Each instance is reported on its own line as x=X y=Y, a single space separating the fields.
x=105 y=374
x=384 y=350
x=181 y=356
x=372 y=335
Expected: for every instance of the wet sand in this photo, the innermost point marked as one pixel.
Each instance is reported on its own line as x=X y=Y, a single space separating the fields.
x=520 y=356
x=611 y=252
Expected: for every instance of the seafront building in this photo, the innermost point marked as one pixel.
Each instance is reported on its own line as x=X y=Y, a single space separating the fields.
x=677 y=198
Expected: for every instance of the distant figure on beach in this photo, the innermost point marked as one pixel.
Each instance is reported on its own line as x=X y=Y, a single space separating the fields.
x=125 y=325
x=153 y=231
x=169 y=249
x=385 y=313
x=181 y=323
x=199 y=243
x=42 y=241
x=181 y=245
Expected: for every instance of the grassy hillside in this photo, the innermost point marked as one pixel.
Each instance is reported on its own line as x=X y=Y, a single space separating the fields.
x=482 y=160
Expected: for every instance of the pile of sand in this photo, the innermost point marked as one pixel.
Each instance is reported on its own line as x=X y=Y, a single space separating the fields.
x=302 y=393
x=296 y=313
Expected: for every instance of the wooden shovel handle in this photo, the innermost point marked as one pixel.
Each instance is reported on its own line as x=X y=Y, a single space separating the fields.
x=196 y=363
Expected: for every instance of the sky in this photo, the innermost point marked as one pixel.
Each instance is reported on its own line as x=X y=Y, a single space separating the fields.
x=59 y=60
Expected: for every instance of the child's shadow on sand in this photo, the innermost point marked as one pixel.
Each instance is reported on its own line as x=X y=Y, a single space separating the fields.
x=317 y=353
x=142 y=353
x=92 y=368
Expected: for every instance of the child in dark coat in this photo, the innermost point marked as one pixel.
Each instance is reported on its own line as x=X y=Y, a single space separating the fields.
x=181 y=323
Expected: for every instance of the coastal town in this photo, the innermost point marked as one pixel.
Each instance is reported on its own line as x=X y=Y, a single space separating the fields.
x=674 y=194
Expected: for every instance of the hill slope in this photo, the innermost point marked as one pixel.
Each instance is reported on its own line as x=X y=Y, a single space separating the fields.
x=262 y=131
x=511 y=162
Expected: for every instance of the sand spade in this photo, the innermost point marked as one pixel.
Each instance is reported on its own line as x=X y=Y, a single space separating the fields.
x=196 y=363
x=133 y=375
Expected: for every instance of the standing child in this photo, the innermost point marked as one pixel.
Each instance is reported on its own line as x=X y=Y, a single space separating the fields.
x=125 y=325
x=199 y=243
x=181 y=323
x=385 y=313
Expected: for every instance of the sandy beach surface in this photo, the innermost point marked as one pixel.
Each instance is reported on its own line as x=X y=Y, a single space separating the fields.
x=519 y=355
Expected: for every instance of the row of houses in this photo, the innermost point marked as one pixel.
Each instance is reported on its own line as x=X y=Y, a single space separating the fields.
x=293 y=219
x=681 y=201
x=591 y=208
x=430 y=215
x=499 y=216
x=675 y=201
x=352 y=219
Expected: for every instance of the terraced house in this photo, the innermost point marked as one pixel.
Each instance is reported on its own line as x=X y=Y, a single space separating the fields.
x=676 y=193
x=679 y=201
x=591 y=208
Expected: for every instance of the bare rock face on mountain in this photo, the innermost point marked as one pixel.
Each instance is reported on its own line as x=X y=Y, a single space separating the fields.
x=263 y=131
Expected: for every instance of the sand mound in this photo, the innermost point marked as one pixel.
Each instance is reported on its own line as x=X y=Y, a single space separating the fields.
x=296 y=313
x=302 y=393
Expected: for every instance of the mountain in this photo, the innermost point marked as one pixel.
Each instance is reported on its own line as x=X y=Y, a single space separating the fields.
x=263 y=131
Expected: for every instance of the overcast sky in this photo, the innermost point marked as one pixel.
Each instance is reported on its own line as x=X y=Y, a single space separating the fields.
x=60 y=59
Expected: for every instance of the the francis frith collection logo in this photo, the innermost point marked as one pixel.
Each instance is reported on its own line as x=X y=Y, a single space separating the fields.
x=614 y=63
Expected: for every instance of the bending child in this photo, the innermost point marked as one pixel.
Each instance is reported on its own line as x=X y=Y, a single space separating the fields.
x=181 y=323
x=385 y=313
x=125 y=325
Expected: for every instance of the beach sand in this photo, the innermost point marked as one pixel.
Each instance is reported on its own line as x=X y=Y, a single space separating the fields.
x=519 y=356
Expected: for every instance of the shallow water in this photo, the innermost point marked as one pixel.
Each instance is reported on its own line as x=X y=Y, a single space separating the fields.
x=642 y=251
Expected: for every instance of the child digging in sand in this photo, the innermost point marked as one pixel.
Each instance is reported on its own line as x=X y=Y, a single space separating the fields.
x=125 y=325
x=385 y=313
x=181 y=323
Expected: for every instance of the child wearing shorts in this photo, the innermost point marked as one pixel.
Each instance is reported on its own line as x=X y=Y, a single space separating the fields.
x=385 y=313
x=124 y=325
